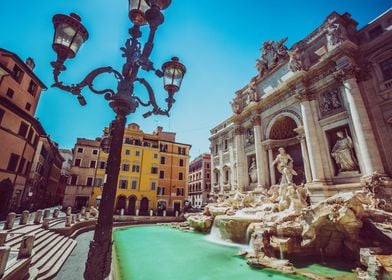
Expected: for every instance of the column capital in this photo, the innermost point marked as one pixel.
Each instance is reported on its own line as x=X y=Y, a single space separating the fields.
x=239 y=129
x=347 y=72
x=304 y=94
x=255 y=120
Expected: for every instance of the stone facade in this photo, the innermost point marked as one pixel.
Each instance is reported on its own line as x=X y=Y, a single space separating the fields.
x=45 y=175
x=153 y=173
x=82 y=174
x=20 y=90
x=199 y=181
x=327 y=101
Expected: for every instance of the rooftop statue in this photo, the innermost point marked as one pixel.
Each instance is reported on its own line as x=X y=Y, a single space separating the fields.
x=272 y=53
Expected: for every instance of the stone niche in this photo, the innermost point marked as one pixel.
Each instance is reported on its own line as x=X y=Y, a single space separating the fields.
x=339 y=169
x=252 y=171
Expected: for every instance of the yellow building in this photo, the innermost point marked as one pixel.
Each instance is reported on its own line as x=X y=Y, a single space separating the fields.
x=153 y=173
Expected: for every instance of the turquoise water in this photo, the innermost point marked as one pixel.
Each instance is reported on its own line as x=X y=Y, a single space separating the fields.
x=159 y=252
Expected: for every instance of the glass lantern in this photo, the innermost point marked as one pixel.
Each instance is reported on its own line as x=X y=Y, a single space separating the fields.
x=69 y=35
x=137 y=10
x=173 y=73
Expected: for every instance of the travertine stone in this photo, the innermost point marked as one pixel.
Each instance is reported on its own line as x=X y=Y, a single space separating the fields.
x=4 y=254
x=260 y=161
x=3 y=237
x=37 y=217
x=366 y=141
x=241 y=163
x=68 y=221
x=78 y=216
x=313 y=146
x=73 y=218
x=46 y=213
x=45 y=223
x=56 y=213
x=26 y=246
x=87 y=216
x=272 y=171
x=69 y=211
x=9 y=222
x=24 y=218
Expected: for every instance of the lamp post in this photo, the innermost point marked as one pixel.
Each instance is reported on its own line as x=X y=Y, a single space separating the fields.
x=69 y=35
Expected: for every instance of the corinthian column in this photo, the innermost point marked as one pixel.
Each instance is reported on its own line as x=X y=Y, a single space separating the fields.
x=242 y=171
x=367 y=145
x=312 y=141
x=272 y=168
x=305 y=156
x=261 y=162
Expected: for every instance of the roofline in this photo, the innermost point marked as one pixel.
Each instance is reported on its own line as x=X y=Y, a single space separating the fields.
x=26 y=68
x=11 y=106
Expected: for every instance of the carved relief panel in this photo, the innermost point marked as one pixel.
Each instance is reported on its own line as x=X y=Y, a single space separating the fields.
x=330 y=102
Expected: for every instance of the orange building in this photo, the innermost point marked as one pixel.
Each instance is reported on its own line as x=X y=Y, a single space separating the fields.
x=20 y=90
x=173 y=172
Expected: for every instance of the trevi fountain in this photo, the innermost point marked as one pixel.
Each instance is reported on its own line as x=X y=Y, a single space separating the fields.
x=280 y=225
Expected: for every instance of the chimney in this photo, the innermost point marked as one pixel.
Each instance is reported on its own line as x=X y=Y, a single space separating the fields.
x=159 y=129
x=30 y=63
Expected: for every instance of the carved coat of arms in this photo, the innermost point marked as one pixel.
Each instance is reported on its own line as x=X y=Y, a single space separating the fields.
x=272 y=53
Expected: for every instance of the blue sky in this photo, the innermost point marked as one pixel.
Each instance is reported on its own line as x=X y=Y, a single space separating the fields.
x=217 y=40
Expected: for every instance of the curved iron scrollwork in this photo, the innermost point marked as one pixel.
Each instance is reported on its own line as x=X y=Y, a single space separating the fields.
x=88 y=81
x=152 y=101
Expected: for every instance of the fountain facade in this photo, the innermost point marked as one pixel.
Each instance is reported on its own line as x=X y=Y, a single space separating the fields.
x=281 y=225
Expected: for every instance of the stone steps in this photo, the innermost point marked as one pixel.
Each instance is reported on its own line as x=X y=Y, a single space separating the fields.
x=40 y=257
x=51 y=272
x=15 y=240
x=48 y=260
x=41 y=249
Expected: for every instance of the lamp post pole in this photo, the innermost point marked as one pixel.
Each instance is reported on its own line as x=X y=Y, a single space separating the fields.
x=70 y=34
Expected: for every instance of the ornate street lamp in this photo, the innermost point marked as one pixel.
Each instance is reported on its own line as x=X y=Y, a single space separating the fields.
x=69 y=35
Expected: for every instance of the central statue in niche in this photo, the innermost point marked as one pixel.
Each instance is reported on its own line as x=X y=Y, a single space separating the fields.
x=285 y=166
x=343 y=153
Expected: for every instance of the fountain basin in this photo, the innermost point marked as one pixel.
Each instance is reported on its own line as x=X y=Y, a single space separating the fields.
x=234 y=228
x=160 y=252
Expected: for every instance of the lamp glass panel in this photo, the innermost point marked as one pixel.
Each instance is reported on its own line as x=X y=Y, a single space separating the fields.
x=137 y=8
x=76 y=43
x=64 y=34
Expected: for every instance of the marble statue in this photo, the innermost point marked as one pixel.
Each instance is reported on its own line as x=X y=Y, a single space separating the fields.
x=253 y=171
x=250 y=139
x=253 y=94
x=236 y=105
x=342 y=152
x=285 y=166
x=272 y=53
x=295 y=63
x=334 y=33
x=262 y=65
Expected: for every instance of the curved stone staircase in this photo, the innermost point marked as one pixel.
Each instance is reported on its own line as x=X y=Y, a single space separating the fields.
x=50 y=249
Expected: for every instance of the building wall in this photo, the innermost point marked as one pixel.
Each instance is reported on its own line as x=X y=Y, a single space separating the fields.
x=19 y=130
x=85 y=159
x=175 y=186
x=144 y=150
x=199 y=186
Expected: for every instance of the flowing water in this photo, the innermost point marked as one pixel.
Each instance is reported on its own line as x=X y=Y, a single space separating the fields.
x=164 y=253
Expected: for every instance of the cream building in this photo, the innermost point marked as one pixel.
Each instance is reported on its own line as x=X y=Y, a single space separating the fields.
x=327 y=100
